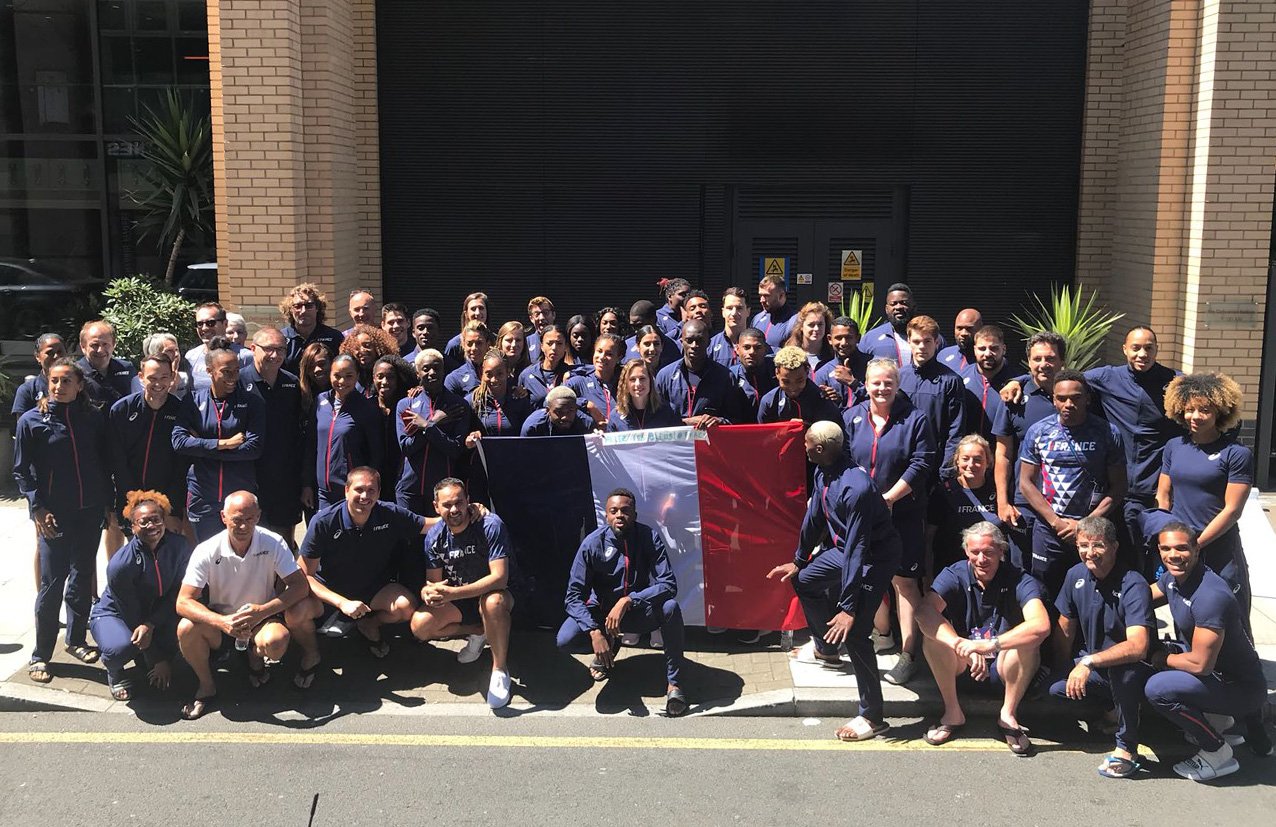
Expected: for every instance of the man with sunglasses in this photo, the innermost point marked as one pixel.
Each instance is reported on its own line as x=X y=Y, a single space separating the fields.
x=210 y=323
x=304 y=309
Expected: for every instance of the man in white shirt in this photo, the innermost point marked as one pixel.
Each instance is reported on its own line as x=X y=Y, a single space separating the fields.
x=239 y=567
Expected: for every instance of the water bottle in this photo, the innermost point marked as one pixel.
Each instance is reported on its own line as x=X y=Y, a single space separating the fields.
x=241 y=643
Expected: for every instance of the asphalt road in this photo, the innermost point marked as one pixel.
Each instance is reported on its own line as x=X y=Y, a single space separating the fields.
x=106 y=769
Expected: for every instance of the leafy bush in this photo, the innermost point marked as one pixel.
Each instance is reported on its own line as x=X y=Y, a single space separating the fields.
x=856 y=306
x=1076 y=318
x=138 y=307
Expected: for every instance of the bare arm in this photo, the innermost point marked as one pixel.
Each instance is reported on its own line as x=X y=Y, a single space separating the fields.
x=1233 y=505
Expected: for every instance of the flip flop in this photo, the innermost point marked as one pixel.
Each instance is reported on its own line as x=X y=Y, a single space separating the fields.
x=305 y=677
x=121 y=692
x=1017 y=739
x=860 y=728
x=944 y=733
x=39 y=667
x=198 y=708
x=84 y=654
x=598 y=672
x=806 y=653
x=257 y=678
x=676 y=703
x=1114 y=766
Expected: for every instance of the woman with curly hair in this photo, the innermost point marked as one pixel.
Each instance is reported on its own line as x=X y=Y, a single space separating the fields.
x=1206 y=475
x=136 y=618
x=611 y=320
x=810 y=333
x=367 y=344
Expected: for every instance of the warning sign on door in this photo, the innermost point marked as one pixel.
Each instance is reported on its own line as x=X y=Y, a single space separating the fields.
x=835 y=292
x=852 y=265
x=774 y=266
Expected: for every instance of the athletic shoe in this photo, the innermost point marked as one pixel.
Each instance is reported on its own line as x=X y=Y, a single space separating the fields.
x=1256 y=736
x=903 y=670
x=749 y=637
x=1221 y=724
x=1207 y=766
x=473 y=648
x=498 y=689
x=337 y=626
x=657 y=640
x=630 y=639
x=715 y=630
x=881 y=643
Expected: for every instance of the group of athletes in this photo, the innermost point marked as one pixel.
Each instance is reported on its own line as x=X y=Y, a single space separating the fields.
x=1012 y=530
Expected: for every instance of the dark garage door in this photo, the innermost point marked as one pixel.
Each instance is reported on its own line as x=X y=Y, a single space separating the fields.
x=584 y=151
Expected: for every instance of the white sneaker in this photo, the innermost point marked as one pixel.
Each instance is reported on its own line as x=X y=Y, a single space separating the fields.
x=1207 y=766
x=902 y=672
x=630 y=639
x=881 y=643
x=473 y=648
x=657 y=640
x=716 y=630
x=498 y=689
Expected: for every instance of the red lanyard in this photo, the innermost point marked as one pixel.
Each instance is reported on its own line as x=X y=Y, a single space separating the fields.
x=872 y=461
x=159 y=581
x=624 y=544
x=217 y=411
x=983 y=402
x=795 y=404
x=496 y=406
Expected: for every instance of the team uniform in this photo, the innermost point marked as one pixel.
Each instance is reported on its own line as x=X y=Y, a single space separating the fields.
x=754 y=384
x=1103 y=610
x=1235 y=687
x=429 y=454
x=859 y=551
x=500 y=417
x=608 y=567
x=539 y=381
x=107 y=386
x=329 y=337
x=466 y=557
x=901 y=450
x=141 y=587
x=956 y=359
x=983 y=399
x=885 y=342
x=952 y=509
x=280 y=468
x=356 y=562
x=1073 y=466
x=1011 y=422
x=60 y=463
x=777 y=325
x=670 y=350
x=1200 y=476
x=940 y=395
x=982 y=613
x=846 y=396
x=538 y=424
x=636 y=420
x=346 y=435
x=463 y=380
x=197 y=358
x=202 y=420
x=711 y=391
x=141 y=450
x=590 y=387
x=668 y=322
x=29 y=394
x=809 y=406
x=722 y=350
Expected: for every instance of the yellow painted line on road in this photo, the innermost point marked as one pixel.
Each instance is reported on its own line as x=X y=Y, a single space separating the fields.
x=504 y=741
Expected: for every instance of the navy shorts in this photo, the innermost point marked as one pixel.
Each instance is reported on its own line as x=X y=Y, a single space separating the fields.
x=469 y=609
x=911 y=526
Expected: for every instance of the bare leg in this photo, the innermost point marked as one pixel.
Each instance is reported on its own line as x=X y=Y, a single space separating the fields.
x=392 y=604
x=910 y=598
x=197 y=642
x=300 y=626
x=945 y=666
x=1017 y=668
x=440 y=622
x=495 y=608
x=882 y=619
x=113 y=536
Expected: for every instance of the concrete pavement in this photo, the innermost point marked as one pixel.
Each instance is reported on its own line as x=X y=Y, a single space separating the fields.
x=723 y=677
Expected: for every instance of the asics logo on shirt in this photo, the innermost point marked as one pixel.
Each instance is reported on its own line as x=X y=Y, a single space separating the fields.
x=857 y=420
x=1213 y=457
x=203 y=406
x=336 y=534
x=1078 y=584
x=132 y=416
x=609 y=552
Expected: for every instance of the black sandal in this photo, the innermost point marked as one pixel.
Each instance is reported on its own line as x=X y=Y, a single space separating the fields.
x=199 y=707
x=676 y=703
x=305 y=677
x=1017 y=739
x=39 y=667
x=84 y=654
x=598 y=672
x=257 y=678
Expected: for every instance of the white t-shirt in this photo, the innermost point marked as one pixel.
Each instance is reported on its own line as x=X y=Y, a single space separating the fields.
x=232 y=580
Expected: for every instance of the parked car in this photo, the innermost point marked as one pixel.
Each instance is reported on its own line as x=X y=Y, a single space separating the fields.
x=198 y=282
x=38 y=295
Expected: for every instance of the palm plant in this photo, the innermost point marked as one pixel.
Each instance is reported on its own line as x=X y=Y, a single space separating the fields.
x=179 y=197
x=859 y=307
x=1079 y=319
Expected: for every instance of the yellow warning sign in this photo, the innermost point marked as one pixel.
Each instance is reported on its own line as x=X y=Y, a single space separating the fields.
x=776 y=267
x=852 y=265
x=867 y=292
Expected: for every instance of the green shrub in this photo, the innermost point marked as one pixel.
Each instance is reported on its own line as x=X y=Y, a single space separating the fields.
x=1081 y=323
x=856 y=306
x=138 y=307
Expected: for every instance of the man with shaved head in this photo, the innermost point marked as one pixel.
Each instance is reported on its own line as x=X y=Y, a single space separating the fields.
x=699 y=390
x=239 y=567
x=961 y=354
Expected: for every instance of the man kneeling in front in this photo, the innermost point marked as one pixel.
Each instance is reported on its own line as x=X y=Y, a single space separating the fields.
x=985 y=617
x=239 y=568
x=621 y=583
x=467 y=569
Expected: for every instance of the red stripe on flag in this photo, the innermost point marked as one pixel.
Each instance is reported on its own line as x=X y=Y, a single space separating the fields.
x=752 y=487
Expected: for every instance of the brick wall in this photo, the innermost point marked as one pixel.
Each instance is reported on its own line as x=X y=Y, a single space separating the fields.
x=295 y=160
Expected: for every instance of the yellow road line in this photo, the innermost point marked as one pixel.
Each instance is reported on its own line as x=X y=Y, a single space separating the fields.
x=515 y=741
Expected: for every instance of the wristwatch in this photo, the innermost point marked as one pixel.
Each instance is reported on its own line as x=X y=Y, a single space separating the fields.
x=996 y=645
x=1087 y=662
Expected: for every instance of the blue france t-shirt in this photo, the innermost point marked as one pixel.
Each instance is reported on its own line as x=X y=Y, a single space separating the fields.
x=464 y=557
x=1074 y=461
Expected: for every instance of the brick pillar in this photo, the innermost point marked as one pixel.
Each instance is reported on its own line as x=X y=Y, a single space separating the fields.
x=294 y=108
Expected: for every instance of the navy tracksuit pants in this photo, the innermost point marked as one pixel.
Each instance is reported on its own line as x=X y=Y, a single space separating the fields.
x=639 y=619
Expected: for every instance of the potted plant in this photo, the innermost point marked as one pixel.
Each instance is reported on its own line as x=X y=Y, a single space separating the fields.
x=1080 y=319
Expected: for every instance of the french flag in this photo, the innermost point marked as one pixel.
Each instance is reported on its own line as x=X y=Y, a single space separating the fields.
x=729 y=503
